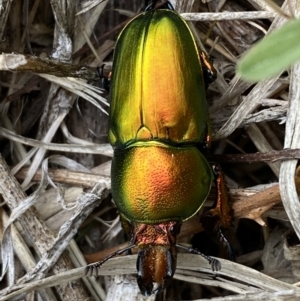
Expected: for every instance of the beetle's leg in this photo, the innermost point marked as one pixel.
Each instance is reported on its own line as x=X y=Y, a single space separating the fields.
x=207 y=141
x=89 y=269
x=126 y=225
x=150 y=5
x=221 y=207
x=220 y=216
x=215 y=263
x=209 y=75
x=105 y=80
x=205 y=145
x=227 y=244
x=209 y=72
x=128 y=229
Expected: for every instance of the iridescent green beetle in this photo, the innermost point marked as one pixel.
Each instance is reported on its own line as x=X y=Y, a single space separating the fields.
x=158 y=124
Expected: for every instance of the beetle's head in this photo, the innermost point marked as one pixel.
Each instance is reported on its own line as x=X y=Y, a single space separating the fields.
x=156 y=261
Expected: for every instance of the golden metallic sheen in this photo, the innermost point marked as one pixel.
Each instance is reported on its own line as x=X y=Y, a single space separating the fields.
x=155 y=183
x=157 y=90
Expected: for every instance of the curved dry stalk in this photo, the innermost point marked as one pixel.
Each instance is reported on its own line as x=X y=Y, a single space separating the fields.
x=188 y=264
x=228 y=16
x=234 y=109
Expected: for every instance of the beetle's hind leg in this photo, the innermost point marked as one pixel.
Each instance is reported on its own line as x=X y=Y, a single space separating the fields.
x=209 y=72
x=105 y=80
x=154 y=4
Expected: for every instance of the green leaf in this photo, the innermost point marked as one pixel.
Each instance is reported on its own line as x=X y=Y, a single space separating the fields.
x=274 y=54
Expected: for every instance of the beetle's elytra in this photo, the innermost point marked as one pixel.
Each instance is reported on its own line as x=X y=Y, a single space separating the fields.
x=158 y=125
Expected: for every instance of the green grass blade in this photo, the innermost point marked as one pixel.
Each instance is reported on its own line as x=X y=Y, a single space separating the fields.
x=274 y=54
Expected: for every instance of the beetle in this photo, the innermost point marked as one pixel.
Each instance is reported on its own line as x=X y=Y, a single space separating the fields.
x=159 y=128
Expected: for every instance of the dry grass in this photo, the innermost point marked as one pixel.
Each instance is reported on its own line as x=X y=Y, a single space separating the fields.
x=55 y=162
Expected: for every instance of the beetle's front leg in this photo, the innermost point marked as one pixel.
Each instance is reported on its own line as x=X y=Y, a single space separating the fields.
x=128 y=230
x=221 y=208
x=220 y=216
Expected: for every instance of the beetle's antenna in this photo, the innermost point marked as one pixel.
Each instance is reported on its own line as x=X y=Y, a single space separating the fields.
x=94 y=266
x=215 y=263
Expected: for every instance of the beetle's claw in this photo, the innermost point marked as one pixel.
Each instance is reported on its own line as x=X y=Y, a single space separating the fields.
x=89 y=270
x=215 y=265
